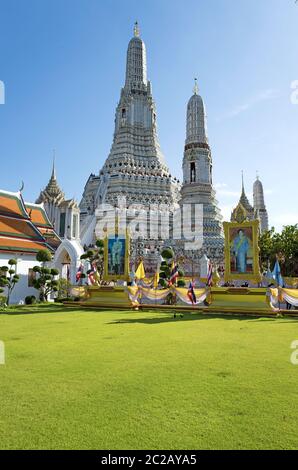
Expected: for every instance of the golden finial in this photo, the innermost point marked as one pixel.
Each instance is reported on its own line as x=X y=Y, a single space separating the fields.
x=136 y=30
x=196 y=87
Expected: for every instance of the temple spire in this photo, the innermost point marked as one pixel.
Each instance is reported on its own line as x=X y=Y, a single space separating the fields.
x=54 y=165
x=259 y=204
x=243 y=198
x=136 y=64
x=196 y=120
x=52 y=191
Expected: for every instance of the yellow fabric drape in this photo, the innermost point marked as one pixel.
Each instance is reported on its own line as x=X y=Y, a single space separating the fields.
x=134 y=293
x=290 y=296
x=154 y=294
x=284 y=295
x=201 y=294
x=137 y=292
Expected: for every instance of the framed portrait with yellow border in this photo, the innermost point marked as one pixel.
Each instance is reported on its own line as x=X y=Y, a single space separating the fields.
x=116 y=257
x=242 y=251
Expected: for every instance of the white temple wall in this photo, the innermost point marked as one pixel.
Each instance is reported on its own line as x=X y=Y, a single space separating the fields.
x=25 y=262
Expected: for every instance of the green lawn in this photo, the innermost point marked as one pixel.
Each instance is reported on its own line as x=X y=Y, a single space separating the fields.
x=135 y=380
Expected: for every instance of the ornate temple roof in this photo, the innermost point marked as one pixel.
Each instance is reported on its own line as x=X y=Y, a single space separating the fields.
x=38 y=215
x=52 y=192
x=244 y=210
x=11 y=204
x=244 y=199
x=39 y=218
x=18 y=233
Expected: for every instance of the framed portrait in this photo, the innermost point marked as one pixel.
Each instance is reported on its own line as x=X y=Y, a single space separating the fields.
x=116 y=258
x=242 y=251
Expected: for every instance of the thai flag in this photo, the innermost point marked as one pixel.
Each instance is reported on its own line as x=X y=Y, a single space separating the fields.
x=79 y=273
x=191 y=294
x=92 y=272
x=174 y=275
x=209 y=275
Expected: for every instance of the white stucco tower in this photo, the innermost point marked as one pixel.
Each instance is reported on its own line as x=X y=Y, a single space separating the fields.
x=197 y=176
x=135 y=167
x=259 y=205
x=135 y=170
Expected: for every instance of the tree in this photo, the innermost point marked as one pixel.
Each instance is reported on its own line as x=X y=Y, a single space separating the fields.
x=45 y=281
x=95 y=257
x=44 y=256
x=9 y=278
x=283 y=246
x=168 y=256
x=64 y=287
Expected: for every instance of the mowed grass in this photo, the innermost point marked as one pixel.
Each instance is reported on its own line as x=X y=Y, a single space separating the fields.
x=134 y=380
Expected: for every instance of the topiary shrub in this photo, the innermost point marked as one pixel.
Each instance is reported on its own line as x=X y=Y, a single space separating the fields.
x=44 y=256
x=30 y=300
x=3 y=302
x=167 y=253
x=162 y=282
x=45 y=281
x=9 y=278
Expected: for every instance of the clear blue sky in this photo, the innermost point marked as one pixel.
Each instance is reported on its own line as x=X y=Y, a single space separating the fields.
x=63 y=64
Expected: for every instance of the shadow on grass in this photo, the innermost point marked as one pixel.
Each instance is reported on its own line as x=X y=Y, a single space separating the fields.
x=187 y=317
x=39 y=309
x=178 y=317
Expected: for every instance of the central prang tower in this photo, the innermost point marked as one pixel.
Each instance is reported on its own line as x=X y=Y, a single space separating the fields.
x=135 y=168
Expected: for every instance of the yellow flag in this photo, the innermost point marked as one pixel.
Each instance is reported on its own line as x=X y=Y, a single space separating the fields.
x=156 y=280
x=96 y=277
x=140 y=272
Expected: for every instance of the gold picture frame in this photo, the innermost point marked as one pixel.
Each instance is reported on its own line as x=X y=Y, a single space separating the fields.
x=123 y=272
x=242 y=265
